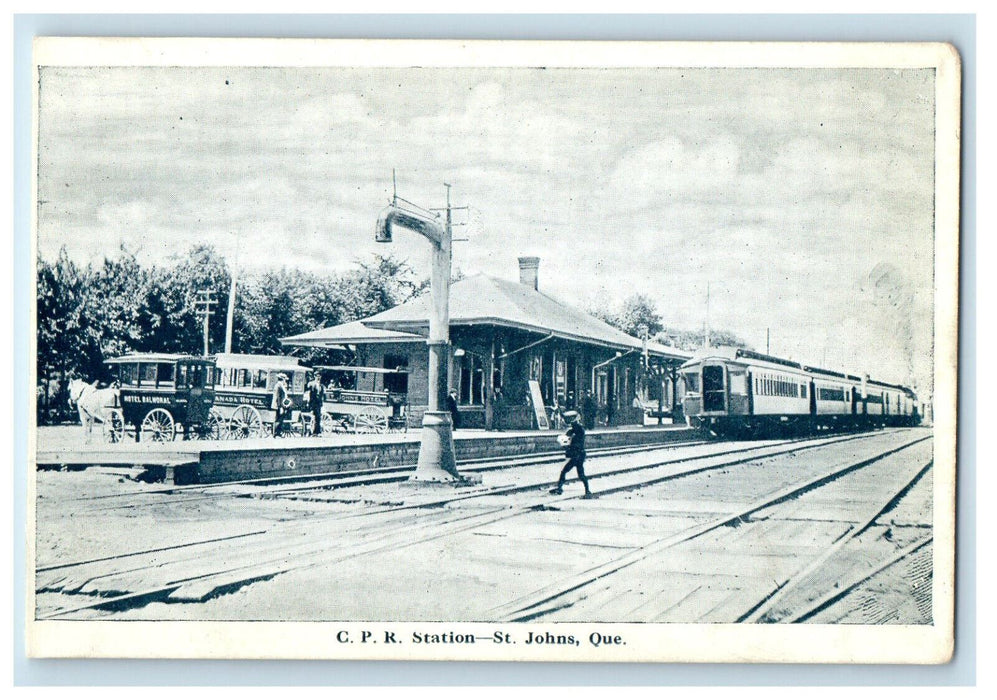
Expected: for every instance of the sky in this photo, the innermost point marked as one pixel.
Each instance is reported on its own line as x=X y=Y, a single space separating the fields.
x=802 y=197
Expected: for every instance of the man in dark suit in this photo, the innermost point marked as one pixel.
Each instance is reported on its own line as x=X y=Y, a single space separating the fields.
x=452 y=407
x=278 y=402
x=316 y=397
x=575 y=452
x=589 y=410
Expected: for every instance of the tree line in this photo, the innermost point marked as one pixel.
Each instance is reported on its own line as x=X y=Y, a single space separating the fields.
x=88 y=314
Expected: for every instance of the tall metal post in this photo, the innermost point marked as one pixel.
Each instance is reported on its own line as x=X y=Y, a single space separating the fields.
x=436 y=451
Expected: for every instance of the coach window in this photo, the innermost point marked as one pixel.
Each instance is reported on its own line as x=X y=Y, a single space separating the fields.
x=691 y=382
x=738 y=383
x=803 y=391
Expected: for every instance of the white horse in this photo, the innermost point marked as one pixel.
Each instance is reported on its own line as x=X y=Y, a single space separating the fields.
x=93 y=404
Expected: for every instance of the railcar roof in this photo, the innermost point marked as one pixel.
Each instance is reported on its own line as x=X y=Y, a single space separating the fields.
x=733 y=354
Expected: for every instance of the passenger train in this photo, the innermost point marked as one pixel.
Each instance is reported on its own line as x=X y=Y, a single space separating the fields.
x=734 y=392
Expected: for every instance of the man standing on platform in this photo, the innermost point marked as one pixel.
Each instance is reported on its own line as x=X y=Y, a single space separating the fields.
x=589 y=409
x=280 y=404
x=316 y=397
x=574 y=450
x=452 y=407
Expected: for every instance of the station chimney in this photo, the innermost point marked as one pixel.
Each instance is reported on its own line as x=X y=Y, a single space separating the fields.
x=529 y=269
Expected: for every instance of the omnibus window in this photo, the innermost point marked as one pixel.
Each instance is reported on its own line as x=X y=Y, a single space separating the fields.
x=398 y=383
x=147 y=373
x=182 y=375
x=165 y=373
x=298 y=382
x=128 y=374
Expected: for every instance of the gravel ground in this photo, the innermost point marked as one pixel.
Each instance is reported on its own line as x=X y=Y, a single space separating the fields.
x=457 y=577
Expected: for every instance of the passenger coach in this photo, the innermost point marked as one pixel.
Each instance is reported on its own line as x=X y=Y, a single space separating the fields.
x=733 y=391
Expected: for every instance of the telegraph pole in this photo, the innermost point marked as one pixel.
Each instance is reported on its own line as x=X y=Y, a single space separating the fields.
x=230 y=316
x=204 y=305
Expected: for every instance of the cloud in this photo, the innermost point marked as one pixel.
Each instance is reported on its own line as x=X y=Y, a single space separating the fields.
x=778 y=187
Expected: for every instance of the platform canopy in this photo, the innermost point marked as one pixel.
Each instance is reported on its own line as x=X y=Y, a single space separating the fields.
x=485 y=300
x=352 y=333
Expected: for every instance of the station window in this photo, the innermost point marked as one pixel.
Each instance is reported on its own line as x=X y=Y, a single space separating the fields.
x=471 y=379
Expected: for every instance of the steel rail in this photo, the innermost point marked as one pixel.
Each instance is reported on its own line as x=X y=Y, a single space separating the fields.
x=764 y=610
x=233 y=577
x=550 y=598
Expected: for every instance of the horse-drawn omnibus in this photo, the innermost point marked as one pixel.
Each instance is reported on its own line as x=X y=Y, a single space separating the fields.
x=157 y=395
x=353 y=401
x=244 y=391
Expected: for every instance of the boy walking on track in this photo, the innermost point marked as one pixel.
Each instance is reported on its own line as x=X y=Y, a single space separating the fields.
x=575 y=452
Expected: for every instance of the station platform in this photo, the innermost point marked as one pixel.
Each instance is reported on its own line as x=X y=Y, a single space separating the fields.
x=237 y=460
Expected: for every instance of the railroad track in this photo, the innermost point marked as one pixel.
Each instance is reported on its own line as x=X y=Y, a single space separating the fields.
x=588 y=595
x=197 y=571
x=277 y=486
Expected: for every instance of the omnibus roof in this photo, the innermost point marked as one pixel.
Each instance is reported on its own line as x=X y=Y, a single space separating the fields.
x=155 y=357
x=353 y=368
x=231 y=360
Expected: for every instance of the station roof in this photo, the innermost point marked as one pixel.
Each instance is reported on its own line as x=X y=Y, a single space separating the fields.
x=485 y=300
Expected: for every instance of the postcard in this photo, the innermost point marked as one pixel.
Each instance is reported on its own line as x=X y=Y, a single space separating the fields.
x=494 y=350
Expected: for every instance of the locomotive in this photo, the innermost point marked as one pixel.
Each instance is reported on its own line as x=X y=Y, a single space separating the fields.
x=734 y=392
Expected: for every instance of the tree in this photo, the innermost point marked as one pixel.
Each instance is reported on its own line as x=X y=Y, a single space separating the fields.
x=694 y=340
x=172 y=323
x=378 y=285
x=636 y=313
x=63 y=349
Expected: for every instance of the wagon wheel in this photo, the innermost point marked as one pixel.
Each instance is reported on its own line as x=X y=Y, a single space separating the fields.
x=114 y=426
x=211 y=428
x=331 y=423
x=245 y=423
x=158 y=424
x=370 y=419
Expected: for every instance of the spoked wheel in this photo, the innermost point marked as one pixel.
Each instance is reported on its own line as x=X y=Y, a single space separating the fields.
x=332 y=423
x=212 y=428
x=370 y=419
x=114 y=426
x=158 y=426
x=245 y=423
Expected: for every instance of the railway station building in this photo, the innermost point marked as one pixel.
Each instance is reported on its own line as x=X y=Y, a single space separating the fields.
x=509 y=340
